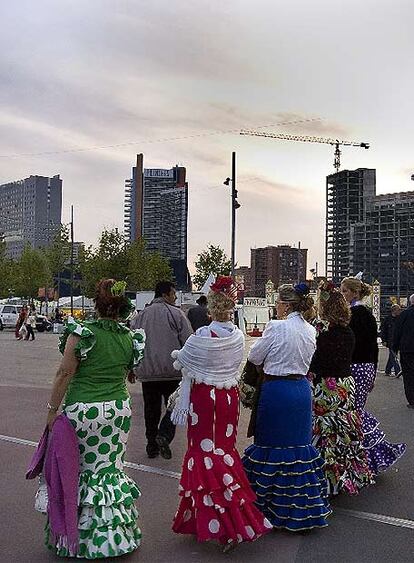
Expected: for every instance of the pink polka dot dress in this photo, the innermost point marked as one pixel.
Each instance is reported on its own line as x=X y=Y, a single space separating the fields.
x=216 y=500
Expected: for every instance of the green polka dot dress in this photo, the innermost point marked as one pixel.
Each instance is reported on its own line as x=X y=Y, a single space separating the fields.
x=106 y=499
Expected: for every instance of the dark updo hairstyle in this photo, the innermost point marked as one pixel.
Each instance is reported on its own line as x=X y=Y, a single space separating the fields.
x=297 y=297
x=108 y=305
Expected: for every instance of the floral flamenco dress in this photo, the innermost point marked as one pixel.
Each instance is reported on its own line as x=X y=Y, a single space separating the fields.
x=217 y=502
x=97 y=404
x=337 y=427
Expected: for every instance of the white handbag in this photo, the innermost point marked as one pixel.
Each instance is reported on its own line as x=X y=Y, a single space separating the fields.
x=41 y=497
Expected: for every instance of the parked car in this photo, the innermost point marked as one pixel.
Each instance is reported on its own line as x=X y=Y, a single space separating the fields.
x=43 y=324
x=9 y=315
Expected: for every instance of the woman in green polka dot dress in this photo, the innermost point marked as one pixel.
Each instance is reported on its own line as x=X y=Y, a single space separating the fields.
x=97 y=357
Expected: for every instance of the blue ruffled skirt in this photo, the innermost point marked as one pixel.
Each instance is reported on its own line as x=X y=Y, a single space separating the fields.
x=284 y=469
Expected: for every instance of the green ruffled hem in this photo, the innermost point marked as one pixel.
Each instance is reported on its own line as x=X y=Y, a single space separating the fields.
x=86 y=342
x=106 y=489
x=92 y=517
x=107 y=518
x=100 y=542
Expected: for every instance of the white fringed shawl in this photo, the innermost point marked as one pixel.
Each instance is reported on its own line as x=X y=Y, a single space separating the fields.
x=213 y=361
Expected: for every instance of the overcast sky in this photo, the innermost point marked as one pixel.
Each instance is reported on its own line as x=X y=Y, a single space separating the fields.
x=81 y=74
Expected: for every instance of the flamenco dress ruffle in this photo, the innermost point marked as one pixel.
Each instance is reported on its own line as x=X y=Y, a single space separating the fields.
x=217 y=502
x=106 y=496
x=337 y=434
x=284 y=469
x=381 y=453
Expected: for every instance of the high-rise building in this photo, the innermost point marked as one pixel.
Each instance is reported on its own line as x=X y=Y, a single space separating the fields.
x=349 y=194
x=369 y=233
x=279 y=264
x=30 y=212
x=78 y=247
x=156 y=209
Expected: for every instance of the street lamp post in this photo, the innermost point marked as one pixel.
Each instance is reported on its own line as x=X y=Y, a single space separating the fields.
x=234 y=206
x=71 y=260
x=398 y=261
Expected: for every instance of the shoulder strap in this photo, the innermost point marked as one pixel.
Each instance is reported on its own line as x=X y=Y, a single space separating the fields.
x=174 y=322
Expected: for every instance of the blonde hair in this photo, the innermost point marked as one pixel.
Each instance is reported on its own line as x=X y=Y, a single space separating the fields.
x=219 y=305
x=297 y=301
x=357 y=286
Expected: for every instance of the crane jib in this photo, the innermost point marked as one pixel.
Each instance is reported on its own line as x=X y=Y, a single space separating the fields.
x=309 y=139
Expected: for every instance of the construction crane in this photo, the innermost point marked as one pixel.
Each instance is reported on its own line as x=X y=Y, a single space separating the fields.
x=308 y=139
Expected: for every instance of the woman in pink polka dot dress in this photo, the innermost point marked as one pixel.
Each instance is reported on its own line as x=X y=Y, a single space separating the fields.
x=217 y=502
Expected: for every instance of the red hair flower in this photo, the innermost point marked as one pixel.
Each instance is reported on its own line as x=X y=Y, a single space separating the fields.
x=226 y=285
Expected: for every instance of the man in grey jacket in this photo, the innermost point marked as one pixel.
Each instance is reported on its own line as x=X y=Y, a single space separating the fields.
x=166 y=329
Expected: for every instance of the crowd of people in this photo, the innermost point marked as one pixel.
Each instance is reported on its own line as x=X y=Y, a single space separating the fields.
x=305 y=381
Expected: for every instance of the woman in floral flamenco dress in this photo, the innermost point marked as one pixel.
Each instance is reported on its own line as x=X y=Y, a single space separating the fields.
x=337 y=427
x=217 y=502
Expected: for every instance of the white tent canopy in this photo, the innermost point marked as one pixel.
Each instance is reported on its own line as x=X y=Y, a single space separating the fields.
x=79 y=302
x=209 y=281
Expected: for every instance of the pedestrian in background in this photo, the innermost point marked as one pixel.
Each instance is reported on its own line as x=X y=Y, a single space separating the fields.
x=404 y=343
x=167 y=329
x=387 y=337
x=30 y=323
x=198 y=315
x=20 y=329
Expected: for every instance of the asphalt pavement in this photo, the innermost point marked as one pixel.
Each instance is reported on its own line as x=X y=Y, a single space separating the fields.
x=376 y=526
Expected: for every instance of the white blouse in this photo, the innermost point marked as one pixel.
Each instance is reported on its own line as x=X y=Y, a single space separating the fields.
x=286 y=347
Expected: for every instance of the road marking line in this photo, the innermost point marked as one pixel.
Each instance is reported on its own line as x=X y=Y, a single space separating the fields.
x=18 y=441
x=381 y=518
x=156 y=470
x=400 y=522
x=136 y=466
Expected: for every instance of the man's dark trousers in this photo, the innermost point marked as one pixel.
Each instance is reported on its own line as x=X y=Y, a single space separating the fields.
x=407 y=365
x=392 y=362
x=154 y=393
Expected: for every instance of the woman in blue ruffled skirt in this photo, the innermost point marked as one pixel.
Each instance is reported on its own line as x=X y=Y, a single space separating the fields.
x=284 y=469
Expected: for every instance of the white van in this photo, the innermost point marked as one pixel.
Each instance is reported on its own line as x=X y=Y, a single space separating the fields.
x=9 y=315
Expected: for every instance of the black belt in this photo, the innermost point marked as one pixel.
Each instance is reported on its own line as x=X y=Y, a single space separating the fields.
x=290 y=376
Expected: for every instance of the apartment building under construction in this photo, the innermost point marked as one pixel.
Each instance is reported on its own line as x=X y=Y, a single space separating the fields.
x=369 y=233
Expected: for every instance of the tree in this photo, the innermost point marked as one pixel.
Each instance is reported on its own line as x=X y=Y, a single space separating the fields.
x=6 y=265
x=212 y=260
x=85 y=267
x=114 y=258
x=31 y=272
x=108 y=260
x=145 y=268
x=58 y=254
